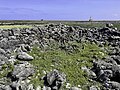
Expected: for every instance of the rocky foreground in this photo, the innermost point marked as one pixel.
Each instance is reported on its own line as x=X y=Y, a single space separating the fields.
x=16 y=71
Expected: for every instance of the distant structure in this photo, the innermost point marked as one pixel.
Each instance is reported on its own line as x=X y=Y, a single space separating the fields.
x=90 y=20
x=41 y=19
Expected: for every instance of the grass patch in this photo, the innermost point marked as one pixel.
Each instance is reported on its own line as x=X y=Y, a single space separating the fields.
x=14 y=26
x=87 y=24
x=6 y=68
x=69 y=63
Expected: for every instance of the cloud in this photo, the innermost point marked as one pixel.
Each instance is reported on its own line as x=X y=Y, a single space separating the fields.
x=6 y=10
x=20 y=13
x=116 y=15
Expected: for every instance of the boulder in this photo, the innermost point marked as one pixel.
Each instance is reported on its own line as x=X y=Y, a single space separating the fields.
x=22 y=71
x=89 y=72
x=54 y=79
x=24 y=56
x=114 y=85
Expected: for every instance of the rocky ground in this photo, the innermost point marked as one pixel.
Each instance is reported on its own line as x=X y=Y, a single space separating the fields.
x=18 y=56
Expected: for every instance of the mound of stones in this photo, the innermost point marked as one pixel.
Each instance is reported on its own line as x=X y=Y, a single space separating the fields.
x=20 y=42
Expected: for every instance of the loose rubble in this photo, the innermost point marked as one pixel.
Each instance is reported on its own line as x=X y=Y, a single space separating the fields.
x=20 y=42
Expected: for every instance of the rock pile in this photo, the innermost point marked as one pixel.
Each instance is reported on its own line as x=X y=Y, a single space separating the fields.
x=20 y=41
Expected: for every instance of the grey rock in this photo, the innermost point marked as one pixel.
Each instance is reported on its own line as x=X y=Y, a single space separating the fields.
x=5 y=33
x=75 y=88
x=46 y=88
x=23 y=71
x=12 y=60
x=109 y=25
x=3 y=59
x=4 y=43
x=2 y=51
x=7 y=88
x=16 y=32
x=114 y=85
x=19 y=85
x=12 y=38
x=38 y=88
x=14 y=85
x=89 y=72
x=55 y=79
x=24 y=56
x=116 y=58
x=55 y=75
x=93 y=88
x=31 y=87
x=24 y=47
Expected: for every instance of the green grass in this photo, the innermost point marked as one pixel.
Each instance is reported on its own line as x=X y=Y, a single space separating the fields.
x=87 y=24
x=14 y=26
x=69 y=63
x=6 y=68
x=83 y=24
x=93 y=24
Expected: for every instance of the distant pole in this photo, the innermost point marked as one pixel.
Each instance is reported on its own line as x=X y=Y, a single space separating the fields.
x=90 y=20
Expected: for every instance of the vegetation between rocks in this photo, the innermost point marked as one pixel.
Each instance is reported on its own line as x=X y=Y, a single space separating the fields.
x=69 y=63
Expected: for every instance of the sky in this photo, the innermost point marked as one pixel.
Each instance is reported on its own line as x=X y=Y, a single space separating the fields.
x=59 y=9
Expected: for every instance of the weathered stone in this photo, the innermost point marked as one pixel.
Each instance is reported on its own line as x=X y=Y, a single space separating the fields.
x=89 y=72
x=55 y=79
x=22 y=71
x=46 y=88
x=38 y=88
x=24 y=56
x=75 y=88
x=93 y=88
x=109 y=25
x=2 y=51
x=114 y=85
x=31 y=87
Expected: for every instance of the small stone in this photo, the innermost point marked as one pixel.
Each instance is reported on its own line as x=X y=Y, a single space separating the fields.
x=46 y=88
x=30 y=87
x=93 y=88
x=75 y=88
x=109 y=25
x=68 y=85
x=38 y=88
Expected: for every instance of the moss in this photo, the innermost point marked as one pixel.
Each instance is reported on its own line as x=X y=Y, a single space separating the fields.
x=69 y=63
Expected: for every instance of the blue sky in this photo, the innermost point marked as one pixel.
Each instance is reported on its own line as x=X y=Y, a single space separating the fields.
x=59 y=9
